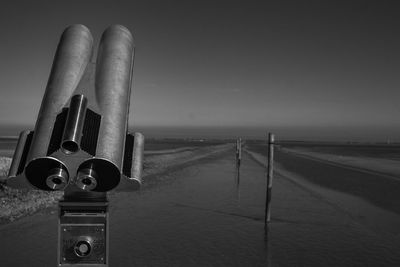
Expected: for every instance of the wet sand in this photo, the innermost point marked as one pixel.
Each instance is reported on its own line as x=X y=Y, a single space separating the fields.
x=368 y=200
x=387 y=164
x=18 y=199
x=203 y=215
x=378 y=189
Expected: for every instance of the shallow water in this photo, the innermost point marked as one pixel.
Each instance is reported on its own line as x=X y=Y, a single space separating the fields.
x=199 y=216
x=193 y=218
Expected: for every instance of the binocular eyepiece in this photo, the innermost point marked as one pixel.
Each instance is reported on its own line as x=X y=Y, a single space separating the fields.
x=80 y=138
x=57 y=179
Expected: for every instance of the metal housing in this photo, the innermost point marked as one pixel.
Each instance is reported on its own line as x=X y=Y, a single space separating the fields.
x=79 y=140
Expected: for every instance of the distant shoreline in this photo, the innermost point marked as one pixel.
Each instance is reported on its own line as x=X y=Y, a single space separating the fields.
x=349 y=134
x=9 y=137
x=278 y=142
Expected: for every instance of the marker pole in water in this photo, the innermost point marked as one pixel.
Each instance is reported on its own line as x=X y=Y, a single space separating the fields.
x=270 y=170
x=238 y=151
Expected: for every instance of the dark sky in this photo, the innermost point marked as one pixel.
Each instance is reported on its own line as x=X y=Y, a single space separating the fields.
x=326 y=67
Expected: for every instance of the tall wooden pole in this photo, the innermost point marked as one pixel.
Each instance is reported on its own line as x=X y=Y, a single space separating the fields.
x=270 y=170
x=238 y=151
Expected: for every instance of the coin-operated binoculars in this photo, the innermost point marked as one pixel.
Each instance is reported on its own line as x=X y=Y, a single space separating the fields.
x=80 y=142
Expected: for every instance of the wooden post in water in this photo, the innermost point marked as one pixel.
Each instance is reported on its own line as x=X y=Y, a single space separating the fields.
x=238 y=151
x=270 y=170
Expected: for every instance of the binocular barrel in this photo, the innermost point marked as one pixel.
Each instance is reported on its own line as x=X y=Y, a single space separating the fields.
x=112 y=90
x=114 y=70
x=80 y=136
x=72 y=56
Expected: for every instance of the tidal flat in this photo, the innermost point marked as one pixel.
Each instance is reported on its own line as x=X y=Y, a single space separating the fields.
x=198 y=209
x=159 y=157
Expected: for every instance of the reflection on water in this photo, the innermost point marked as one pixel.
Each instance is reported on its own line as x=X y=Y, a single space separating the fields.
x=220 y=212
x=211 y=215
x=267 y=245
x=237 y=184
